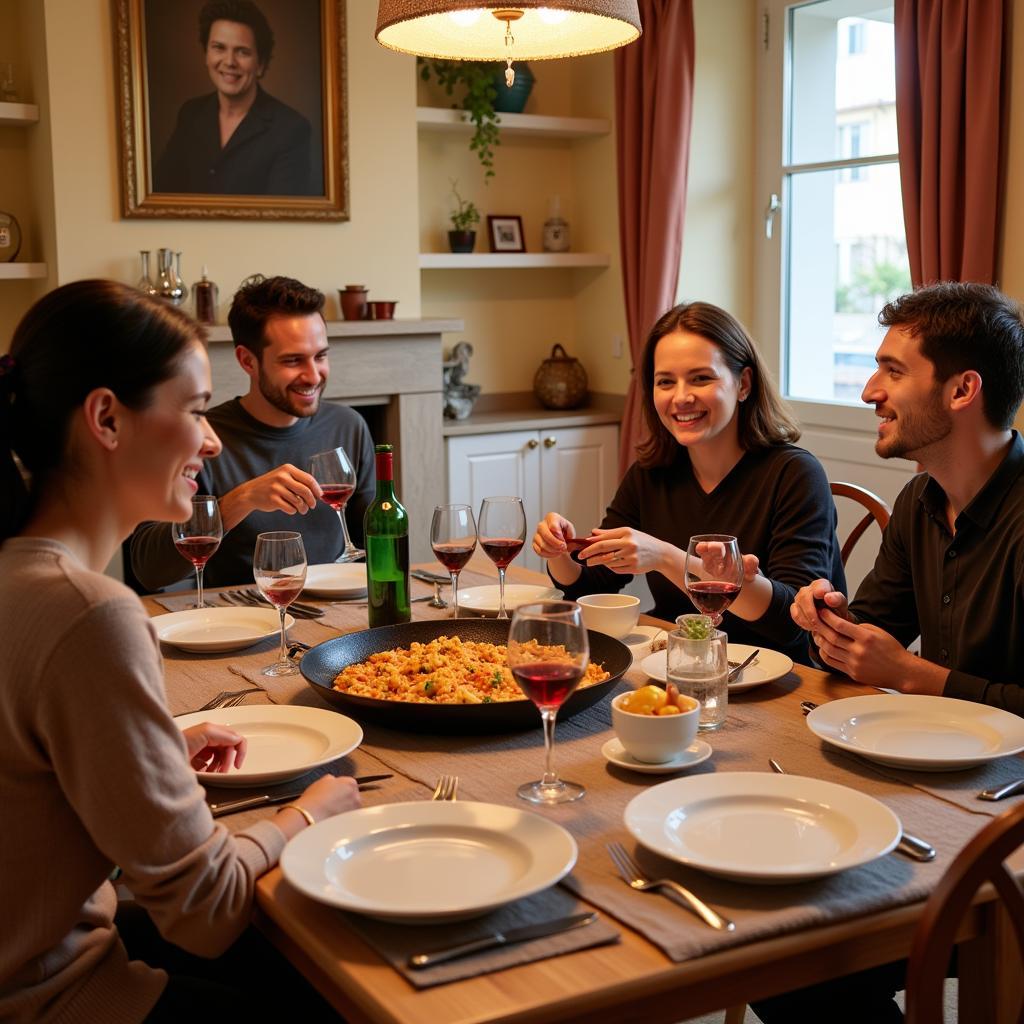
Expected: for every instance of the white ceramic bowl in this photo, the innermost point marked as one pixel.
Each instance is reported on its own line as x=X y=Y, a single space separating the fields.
x=655 y=739
x=614 y=614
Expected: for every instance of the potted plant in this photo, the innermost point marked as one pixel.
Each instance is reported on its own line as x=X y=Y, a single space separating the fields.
x=486 y=95
x=462 y=237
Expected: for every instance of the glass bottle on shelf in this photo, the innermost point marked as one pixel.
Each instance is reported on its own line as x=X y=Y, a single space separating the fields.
x=204 y=294
x=179 y=279
x=167 y=286
x=145 y=283
x=556 y=229
x=386 y=528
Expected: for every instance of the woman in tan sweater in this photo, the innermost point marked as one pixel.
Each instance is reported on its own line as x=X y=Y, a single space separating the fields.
x=102 y=398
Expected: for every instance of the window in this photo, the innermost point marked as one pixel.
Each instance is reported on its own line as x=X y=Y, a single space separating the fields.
x=842 y=245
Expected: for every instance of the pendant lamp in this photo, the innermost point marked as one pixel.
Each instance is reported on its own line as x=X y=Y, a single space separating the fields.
x=527 y=30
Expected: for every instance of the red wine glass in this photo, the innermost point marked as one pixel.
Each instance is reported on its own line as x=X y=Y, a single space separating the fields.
x=502 y=530
x=337 y=479
x=279 y=568
x=453 y=539
x=548 y=653
x=199 y=536
x=713 y=573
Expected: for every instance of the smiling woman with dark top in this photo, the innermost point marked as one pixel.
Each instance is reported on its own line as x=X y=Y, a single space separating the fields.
x=720 y=458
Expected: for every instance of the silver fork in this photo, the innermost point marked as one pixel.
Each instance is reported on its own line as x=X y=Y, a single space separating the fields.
x=446 y=788
x=250 y=599
x=636 y=879
x=222 y=698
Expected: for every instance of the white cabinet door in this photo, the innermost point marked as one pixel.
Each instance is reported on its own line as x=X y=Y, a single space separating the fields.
x=579 y=473
x=481 y=465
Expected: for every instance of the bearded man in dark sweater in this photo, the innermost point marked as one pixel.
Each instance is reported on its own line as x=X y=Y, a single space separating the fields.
x=269 y=435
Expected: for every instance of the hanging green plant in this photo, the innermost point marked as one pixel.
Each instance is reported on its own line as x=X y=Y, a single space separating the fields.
x=478 y=79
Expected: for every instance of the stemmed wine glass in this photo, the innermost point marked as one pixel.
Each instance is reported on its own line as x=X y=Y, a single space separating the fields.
x=453 y=539
x=337 y=479
x=199 y=536
x=502 y=531
x=713 y=573
x=548 y=653
x=279 y=568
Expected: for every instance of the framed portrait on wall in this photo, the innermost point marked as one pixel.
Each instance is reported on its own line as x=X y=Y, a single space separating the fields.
x=232 y=108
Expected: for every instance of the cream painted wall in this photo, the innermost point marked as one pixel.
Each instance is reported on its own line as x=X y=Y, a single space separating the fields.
x=376 y=246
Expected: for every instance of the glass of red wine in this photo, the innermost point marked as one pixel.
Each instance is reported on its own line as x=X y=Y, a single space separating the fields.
x=337 y=479
x=548 y=653
x=453 y=539
x=502 y=531
x=199 y=536
x=279 y=568
x=713 y=574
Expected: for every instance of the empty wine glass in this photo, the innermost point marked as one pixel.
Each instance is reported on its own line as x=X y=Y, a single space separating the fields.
x=279 y=568
x=199 y=536
x=502 y=531
x=548 y=653
x=337 y=479
x=453 y=539
x=713 y=573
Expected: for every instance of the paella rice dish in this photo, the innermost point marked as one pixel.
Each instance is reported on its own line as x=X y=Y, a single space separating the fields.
x=447 y=670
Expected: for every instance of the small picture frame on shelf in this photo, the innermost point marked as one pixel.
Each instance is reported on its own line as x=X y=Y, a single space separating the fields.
x=505 y=233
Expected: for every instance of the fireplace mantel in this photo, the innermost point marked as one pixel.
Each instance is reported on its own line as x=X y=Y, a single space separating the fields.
x=391 y=363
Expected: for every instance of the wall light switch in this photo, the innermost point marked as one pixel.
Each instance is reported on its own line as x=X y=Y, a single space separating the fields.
x=617 y=345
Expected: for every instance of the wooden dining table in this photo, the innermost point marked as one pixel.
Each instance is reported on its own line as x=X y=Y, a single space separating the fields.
x=632 y=980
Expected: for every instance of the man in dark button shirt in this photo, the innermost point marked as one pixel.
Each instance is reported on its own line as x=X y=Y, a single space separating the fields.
x=269 y=435
x=951 y=565
x=950 y=568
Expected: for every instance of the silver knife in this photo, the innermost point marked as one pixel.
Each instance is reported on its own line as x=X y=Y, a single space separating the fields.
x=265 y=799
x=429 y=577
x=999 y=792
x=532 y=931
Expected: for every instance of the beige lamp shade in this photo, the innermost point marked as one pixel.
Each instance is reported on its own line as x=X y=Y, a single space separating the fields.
x=475 y=29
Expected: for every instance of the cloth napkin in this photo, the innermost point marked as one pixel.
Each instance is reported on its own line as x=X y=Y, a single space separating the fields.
x=397 y=942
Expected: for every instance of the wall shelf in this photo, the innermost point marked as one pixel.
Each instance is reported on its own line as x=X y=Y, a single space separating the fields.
x=441 y=119
x=510 y=260
x=18 y=113
x=21 y=271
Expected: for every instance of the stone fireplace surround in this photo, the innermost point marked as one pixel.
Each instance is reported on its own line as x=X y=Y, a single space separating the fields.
x=393 y=365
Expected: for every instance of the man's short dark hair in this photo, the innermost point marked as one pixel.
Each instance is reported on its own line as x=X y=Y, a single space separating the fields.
x=245 y=12
x=963 y=326
x=260 y=299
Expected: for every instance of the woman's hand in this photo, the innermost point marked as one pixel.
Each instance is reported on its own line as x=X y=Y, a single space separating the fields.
x=625 y=550
x=214 y=748
x=330 y=795
x=551 y=534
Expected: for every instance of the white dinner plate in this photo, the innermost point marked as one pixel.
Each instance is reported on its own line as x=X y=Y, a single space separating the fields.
x=484 y=600
x=207 y=630
x=767 y=667
x=284 y=741
x=761 y=827
x=931 y=734
x=693 y=755
x=431 y=860
x=336 y=579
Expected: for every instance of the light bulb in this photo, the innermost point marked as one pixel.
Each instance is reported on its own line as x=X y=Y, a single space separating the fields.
x=465 y=18
x=550 y=16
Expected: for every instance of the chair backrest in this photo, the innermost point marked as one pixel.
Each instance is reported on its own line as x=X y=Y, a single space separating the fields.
x=980 y=861
x=877 y=512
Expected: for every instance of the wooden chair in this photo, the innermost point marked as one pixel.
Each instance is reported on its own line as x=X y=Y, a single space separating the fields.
x=877 y=512
x=980 y=861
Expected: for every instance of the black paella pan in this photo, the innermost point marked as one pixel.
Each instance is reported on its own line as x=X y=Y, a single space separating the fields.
x=321 y=664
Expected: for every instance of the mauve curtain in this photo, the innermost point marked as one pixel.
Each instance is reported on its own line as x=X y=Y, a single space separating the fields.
x=653 y=105
x=951 y=122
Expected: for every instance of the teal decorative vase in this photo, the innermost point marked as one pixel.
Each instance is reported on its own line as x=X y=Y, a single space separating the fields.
x=512 y=100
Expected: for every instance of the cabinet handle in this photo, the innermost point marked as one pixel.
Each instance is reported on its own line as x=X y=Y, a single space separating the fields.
x=532 y=443
x=550 y=442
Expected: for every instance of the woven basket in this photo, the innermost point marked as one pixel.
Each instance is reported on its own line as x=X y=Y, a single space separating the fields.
x=561 y=381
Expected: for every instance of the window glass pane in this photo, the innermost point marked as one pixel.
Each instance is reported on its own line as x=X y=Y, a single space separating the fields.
x=847 y=258
x=843 y=75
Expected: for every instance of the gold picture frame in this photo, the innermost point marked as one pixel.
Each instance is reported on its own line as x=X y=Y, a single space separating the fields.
x=163 y=93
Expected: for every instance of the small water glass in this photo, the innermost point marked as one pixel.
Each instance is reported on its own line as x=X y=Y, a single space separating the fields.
x=700 y=669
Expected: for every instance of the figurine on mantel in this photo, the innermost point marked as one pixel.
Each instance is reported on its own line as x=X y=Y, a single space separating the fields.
x=459 y=397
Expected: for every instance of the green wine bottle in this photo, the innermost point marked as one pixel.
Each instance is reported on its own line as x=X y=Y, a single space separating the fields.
x=386 y=528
